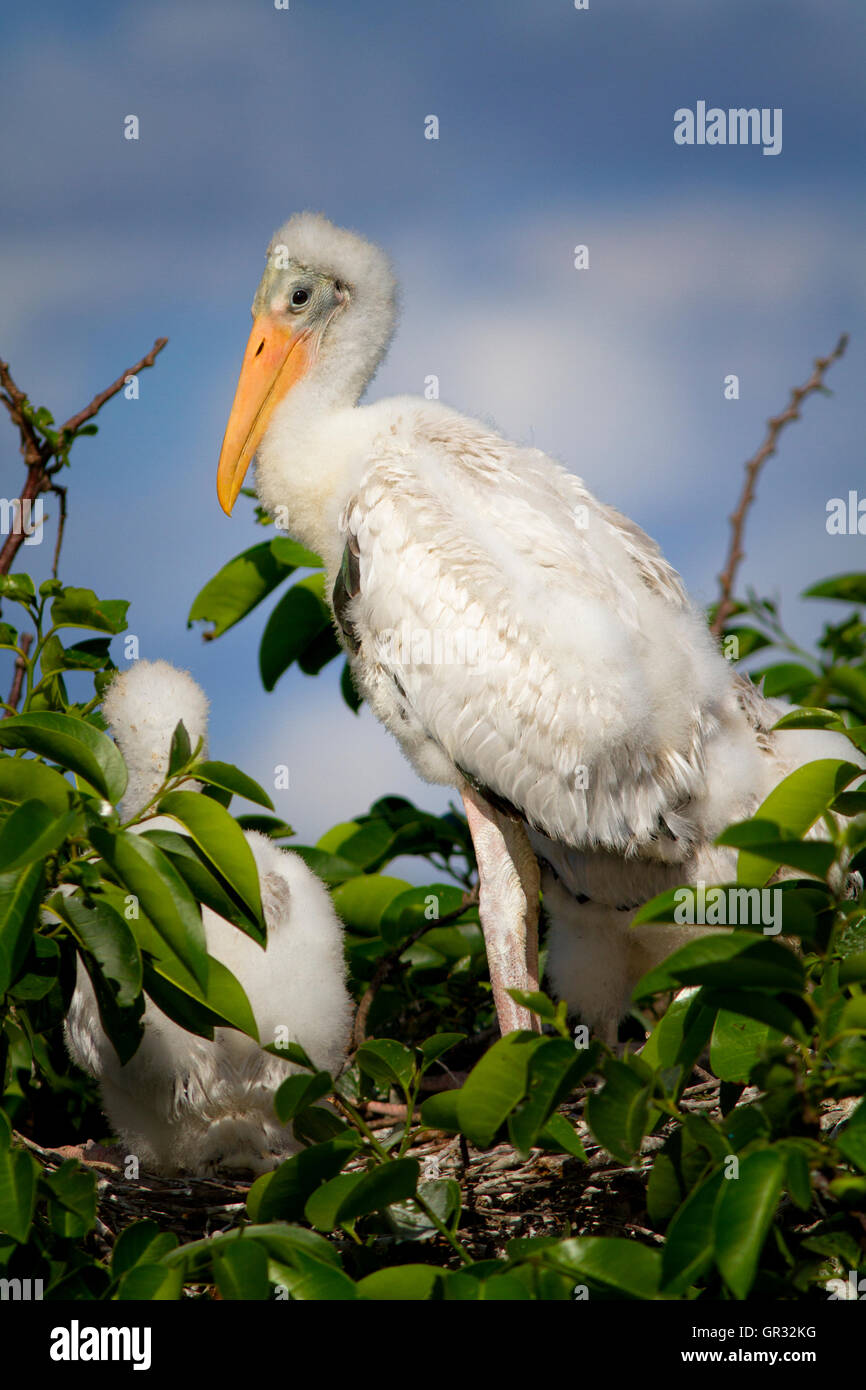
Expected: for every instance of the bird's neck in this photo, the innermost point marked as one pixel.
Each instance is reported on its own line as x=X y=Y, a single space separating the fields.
x=311 y=458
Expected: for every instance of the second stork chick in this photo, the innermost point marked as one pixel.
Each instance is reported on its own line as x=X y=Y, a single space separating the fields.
x=184 y=1103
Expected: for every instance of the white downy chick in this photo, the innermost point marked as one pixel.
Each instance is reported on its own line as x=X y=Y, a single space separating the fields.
x=183 y=1103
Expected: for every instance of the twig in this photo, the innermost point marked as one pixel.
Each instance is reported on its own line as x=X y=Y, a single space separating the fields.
x=75 y=422
x=388 y=963
x=61 y=525
x=38 y=454
x=18 y=676
x=775 y=425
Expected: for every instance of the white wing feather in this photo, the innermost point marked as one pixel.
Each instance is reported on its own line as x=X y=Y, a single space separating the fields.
x=516 y=630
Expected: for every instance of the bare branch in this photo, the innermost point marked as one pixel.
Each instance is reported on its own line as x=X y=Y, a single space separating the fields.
x=37 y=455
x=61 y=526
x=18 y=677
x=775 y=425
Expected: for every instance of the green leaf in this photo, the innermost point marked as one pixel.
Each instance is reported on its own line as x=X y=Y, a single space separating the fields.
x=298 y=1092
x=618 y=1113
x=748 y=640
x=223 y=1004
x=81 y=608
x=328 y=867
x=735 y=959
x=664 y=907
x=809 y=718
x=439 y=1111
x=441 y=1196
x=795 y=805
x=221 y=840
x=538 y=1003
x=239 y=586
x=851 y=1142
x=788 y=1013
x=73 y=744
x=241 y=1271
x=20 y=894
x=18 y=588
x=387 y=1061
x=106 y=935
x=363 y=844
x=151 y=1283
x=231 y=779
x=299 y=617
x=434 y=1047
x=851 y=683
x=18 y=1174
x=417 y=908
x=24 y=778
x=403 y=1283
x=151 y=877
x=850 y=588
x=39 y=972
x=737 y=1045
x=282 y=1195
x=611 y=1262
x=495 y=1086
x=555 y=1068
x=323 y=648
x=390 y=1182
x=691 y=1242
x=664 y=1194
x=744 y=1215
x=141 y=1242
x=290 y=1052
x=316 y=1125
x=272 y=826
x=560 y=1134
x=349 y=690
x=180 y=751
x=92 y=655
x=787 y=678
x=292 y=553
x=852 y=970
x=72 y=1212
x=313 y=1279
x=813 y=857
x=680 y=1036
x=797 y=1178
x=32 y=832
x=205 y=883
x=362 y=901
x=323 y=1205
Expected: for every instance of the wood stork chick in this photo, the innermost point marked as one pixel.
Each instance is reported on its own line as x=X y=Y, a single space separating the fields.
x=183 y=1103
x=523 y=641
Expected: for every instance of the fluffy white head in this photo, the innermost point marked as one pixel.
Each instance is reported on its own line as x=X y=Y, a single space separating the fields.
x=142 y=707
x=357 y=337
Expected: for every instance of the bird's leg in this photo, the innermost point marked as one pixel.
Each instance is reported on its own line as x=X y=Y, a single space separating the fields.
x=508 y=884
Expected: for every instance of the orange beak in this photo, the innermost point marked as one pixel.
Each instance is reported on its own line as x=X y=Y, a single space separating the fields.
x=275 y=358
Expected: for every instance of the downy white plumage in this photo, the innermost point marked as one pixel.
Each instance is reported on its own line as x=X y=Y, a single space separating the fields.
x=523 y=641
x=183 y=1103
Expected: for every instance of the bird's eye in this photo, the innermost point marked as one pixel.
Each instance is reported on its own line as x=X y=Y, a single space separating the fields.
x=300 y=298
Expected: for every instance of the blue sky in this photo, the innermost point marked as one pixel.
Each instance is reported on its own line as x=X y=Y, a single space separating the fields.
x=556 y=128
